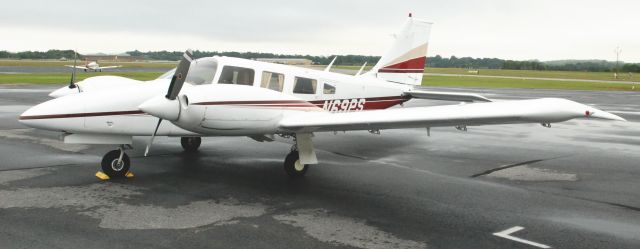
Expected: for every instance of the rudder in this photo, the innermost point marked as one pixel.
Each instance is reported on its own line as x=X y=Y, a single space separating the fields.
x=405 y=62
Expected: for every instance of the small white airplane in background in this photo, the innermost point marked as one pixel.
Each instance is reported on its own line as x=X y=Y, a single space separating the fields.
x=223 y=96
x=91 y=66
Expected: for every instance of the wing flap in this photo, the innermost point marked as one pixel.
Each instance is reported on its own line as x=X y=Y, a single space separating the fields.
x=505 y=112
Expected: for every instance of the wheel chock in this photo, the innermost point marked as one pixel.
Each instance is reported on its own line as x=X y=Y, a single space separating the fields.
x=104 y=177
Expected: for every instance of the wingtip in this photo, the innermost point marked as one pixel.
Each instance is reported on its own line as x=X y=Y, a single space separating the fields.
x=607 y=116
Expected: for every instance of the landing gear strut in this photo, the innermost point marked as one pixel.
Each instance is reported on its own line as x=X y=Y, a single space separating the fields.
x=191 y=144
x=116 y=163
x=293 y=166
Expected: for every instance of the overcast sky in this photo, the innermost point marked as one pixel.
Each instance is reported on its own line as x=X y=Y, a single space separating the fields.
x=509 y=29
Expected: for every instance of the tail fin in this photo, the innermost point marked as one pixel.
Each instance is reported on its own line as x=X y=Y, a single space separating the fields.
x=404 y=63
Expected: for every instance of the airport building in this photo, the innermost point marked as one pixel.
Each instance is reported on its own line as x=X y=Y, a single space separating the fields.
x=287 y=61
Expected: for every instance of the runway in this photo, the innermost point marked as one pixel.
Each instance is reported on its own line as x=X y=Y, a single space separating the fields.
x=61 y=69
x=509 y=186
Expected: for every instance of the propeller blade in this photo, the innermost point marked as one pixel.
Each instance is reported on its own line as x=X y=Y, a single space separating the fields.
x=146 y=151
x=177 y=81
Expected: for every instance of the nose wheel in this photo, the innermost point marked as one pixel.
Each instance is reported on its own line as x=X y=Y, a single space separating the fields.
x=116 y=164
x=293 y=166
x=191 y=144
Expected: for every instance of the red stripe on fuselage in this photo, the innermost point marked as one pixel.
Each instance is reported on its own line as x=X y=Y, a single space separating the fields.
x=263 y=103
x=370 y=104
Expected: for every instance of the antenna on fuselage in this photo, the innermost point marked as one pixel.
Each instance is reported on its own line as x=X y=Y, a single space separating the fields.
x=362 y=69
x=331 y=64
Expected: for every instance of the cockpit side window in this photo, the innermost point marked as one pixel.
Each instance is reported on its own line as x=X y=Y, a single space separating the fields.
x=305 y=86
x=273 y=81
x=200 y=72
x=329 y=89
x=237 y=75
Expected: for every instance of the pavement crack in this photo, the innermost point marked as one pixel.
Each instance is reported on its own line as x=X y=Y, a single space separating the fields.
x=637 y=209
x=40 y=167
x=511 y=166
x=618 y=205
x=347 y=155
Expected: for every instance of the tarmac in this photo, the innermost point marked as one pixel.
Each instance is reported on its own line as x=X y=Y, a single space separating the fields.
x=507 y=186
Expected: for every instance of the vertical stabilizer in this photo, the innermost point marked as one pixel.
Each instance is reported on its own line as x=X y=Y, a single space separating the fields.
x=405 y=62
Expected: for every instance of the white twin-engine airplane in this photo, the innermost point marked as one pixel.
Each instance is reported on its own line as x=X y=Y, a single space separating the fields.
x=222 y=96
x=91 y=66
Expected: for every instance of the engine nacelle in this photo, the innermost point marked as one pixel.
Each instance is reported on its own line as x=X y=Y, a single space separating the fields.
x=235 y=109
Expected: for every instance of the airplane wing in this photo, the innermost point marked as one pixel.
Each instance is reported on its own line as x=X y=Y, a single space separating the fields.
x=108 y=67
x=78 y=67
x=542 y=111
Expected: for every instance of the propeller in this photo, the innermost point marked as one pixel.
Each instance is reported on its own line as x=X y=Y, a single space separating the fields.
x=72 y=83
x=163 y=106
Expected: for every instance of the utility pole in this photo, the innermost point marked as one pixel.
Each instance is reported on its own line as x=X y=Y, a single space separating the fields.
x=617 y=51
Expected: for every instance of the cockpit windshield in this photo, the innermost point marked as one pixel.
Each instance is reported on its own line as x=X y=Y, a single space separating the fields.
x=201 y=71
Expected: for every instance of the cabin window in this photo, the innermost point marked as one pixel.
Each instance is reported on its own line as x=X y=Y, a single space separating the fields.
x=273 y=81
x=237 y=75
x=329 y=89
x=305 y=86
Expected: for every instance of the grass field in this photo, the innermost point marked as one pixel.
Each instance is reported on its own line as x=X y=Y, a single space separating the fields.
x=457 y=81
x=526 y=73
x=573 y=82
x=539 y=74
x=52 y=63
x=63 y=78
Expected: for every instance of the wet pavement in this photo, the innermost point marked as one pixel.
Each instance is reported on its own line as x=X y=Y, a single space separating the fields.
x=572 y=186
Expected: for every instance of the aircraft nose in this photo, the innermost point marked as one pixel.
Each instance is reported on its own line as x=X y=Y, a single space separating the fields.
x=33 y=116
x=61 y=114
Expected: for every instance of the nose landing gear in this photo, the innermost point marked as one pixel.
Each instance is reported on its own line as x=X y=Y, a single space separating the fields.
x=116 y=163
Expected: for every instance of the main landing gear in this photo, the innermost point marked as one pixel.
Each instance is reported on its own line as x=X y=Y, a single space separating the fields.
x=293 y=166
x=301 y=156
x=116 y=163
x=191 y=144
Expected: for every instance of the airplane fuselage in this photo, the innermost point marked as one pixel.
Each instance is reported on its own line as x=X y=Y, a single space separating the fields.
x=224 y=97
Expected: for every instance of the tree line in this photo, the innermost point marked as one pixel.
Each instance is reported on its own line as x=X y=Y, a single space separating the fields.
x=357 y=60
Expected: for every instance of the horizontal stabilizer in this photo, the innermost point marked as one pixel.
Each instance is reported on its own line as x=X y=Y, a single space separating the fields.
x=448 y=96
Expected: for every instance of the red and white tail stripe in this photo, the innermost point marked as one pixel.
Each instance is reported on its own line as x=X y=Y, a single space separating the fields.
x=405 y=62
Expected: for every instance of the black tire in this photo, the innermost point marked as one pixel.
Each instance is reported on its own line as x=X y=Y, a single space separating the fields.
x=191 y=144
x=293 y=167
x=110 y=164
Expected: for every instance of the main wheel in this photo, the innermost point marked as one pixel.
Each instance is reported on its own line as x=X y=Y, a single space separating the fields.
x=191 y=144
x=112 y=168
x=293 y=166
